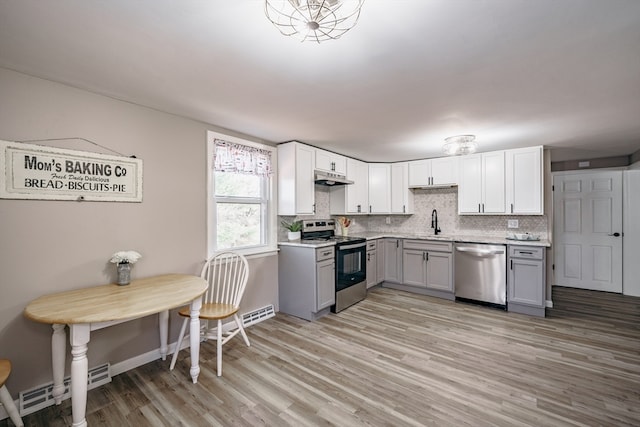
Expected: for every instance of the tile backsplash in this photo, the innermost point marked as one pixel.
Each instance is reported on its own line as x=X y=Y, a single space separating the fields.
x=445 y=201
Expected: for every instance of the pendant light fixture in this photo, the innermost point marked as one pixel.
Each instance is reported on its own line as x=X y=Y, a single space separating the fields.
x=313 y=20
x=459 y=145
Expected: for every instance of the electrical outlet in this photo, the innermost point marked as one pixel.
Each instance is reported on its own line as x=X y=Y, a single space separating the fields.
x=512 y=223
x=387 y=220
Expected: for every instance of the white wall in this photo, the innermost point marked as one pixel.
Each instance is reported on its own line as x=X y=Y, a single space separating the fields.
x=52 y=246
x=631 y=229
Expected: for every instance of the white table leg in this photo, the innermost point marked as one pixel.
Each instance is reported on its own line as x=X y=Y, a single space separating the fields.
x=163 y=323
x=58 y=355
x=194 y=337
x=79 y=336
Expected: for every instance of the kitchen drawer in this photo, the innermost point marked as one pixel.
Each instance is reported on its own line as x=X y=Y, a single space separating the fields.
x=428 y=245
x=371 y=245
x=526 y=252
x=328 y=252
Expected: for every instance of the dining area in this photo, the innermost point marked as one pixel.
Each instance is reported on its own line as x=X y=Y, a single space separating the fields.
x=213 y=296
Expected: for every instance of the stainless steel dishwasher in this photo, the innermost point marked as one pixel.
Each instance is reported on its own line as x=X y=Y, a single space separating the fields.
x=481 y=273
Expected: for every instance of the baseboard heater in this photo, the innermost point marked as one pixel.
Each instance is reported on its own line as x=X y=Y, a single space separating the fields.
x=40 y=397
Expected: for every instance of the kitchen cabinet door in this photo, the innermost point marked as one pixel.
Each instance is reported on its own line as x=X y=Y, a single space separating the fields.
x=351 y=199
x=440 y=171
x=392 y=260
x=526 y=280
x=325 y=284
x=439 y=271
x=372 y=268
x=481 y=189
x=414 y=267
x=401 y=196
x=380 y=261
x=444 y=170
x=420 y=173
x=379 y=188
x=331 y=162
x=493 y=183
x=524 y=181
x=296 y=186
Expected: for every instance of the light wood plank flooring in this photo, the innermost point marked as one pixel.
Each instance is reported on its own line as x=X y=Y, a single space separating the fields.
x=398 y=359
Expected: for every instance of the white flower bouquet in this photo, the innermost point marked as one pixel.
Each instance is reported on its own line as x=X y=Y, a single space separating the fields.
x=125 y=257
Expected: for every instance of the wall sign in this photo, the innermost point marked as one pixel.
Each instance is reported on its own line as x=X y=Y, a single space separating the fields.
x=38 y=172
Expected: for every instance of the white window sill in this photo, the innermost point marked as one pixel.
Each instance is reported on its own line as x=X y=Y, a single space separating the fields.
x=250 y=253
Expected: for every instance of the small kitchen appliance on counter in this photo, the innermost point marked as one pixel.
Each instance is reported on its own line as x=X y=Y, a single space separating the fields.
x=351 y=261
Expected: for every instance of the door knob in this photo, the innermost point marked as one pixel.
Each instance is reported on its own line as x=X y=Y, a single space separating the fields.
x=616 y=234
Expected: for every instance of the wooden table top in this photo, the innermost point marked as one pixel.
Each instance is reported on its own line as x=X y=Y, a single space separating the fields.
x=105 y=303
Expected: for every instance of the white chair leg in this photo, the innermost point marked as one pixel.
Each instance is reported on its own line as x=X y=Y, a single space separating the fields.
x=219 y=348
x=10 y=407
x=244 y=335
x=179 y=343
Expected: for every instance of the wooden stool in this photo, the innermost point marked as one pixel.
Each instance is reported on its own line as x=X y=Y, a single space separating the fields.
x=5 y=397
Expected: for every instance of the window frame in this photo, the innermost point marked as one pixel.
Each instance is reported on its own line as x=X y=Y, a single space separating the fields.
x=270 y=229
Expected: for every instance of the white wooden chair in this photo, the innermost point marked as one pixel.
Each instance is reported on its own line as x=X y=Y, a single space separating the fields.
x=227 y=274
x=5 y=396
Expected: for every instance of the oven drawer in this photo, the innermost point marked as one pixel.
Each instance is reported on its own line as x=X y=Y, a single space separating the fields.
x=327 y=252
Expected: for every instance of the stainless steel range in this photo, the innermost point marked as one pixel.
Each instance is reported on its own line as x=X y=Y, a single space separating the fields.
x=351 y=261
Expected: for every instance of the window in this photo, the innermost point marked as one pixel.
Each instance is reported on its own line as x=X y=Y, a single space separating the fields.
x=241 y=212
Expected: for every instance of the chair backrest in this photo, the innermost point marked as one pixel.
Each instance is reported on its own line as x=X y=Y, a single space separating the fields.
x=227 y=274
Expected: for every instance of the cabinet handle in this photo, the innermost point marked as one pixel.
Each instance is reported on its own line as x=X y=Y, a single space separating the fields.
x=314 y=208
x=483 y=208
x=511 y=207
x=326 y=253
x=427 y=253
x=404 y=209
x=369 y=208
x=368 y=257
x=479 y=211
x=524 y=252
x=397 y=244
x=423 y=256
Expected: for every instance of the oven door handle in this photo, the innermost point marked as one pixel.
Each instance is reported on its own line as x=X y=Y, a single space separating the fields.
x=355 y=246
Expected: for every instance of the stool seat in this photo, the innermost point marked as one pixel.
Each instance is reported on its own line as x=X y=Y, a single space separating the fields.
x=5 y=396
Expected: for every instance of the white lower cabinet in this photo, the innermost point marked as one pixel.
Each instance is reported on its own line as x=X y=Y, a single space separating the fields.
x=526 y=281
x=325 y=282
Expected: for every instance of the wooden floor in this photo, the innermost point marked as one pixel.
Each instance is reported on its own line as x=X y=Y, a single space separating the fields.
x=398 y=359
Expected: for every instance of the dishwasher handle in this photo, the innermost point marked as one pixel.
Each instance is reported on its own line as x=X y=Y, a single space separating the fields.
x=479 y=252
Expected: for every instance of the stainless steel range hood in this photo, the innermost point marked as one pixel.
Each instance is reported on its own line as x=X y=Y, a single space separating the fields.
x=331 y=179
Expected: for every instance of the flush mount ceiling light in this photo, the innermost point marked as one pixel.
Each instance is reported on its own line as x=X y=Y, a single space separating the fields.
x=313 y=20
x=460 y=144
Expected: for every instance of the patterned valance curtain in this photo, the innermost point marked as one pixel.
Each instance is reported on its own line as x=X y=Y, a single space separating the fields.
x=238 y=158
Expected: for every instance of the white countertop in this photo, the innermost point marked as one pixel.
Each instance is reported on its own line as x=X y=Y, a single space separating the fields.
x=372 y=235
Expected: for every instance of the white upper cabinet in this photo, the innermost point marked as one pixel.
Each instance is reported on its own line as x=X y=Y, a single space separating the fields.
x=401 y=196
x=481 y=188
x=442 y=171
x=352 y=198
x=379 y=188
x=331 y=162
x=296 y=186
x=524 y=181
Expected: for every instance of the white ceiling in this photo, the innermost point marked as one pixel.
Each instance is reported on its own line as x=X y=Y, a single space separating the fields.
x=559 y=73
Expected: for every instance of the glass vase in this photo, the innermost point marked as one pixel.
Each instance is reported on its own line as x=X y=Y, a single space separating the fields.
x=124 y=273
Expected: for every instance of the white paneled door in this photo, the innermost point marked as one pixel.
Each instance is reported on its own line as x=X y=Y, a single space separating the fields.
x=588 y=230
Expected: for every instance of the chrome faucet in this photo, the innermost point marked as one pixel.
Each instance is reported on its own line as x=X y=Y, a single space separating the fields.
x=434 y=222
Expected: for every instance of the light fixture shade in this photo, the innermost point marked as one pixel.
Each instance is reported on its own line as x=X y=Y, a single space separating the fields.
x=313 y=20
x=459 y=145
